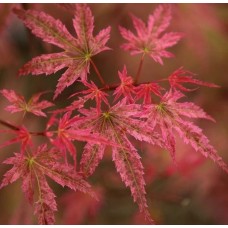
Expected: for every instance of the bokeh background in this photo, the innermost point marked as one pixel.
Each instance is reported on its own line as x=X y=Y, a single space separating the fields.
x=194 y=192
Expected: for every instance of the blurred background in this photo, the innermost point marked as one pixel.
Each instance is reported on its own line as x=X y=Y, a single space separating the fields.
x=194 y=192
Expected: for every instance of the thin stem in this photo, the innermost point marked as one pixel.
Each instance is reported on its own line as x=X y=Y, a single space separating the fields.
x=110 y=87
x=98 y=73
x=114 y=86
x=41 y=133
x=16 y=128
x=139 y=69
x=6 y=124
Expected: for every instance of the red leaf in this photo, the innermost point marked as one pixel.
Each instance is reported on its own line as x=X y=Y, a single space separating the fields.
x=69 y=130
x=22 y=135
x=144 y=91
x=126 y=87
x=180 y=76
x=92 y=93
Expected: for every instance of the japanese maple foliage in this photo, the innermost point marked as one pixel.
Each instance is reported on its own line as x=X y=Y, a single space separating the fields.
x=22 y=135
x=149 y=39
x=77 y=51
x=180 y=76
x=104 y=117
x=20 y=105
x=32 y=168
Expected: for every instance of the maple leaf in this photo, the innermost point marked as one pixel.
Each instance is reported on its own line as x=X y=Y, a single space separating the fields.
x=126 y=87
x=77 y=52
x=169 y=116
x=92 y=93
x=22 y=135
x=45 y=206
x=116 y=124
x=68 y=131
x=123 y=116
x=180 y=76
x=92 y=155
x=149 y=39
x=130 y=168
x=20 y=105
x=144 y=91
x=33 y=169
x=22 y=168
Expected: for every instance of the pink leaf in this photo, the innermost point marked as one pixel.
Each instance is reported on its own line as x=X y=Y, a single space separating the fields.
x=193 y=135
x=93 y=92
x=160 y=20
x=46 y=64
x=83 y=22
x=18 y=101
x=20 y=105
x=183 y=76
x=78 y=51
x=48 y=28
x=169 y=116
x=45 y=206
x=116 y=123
x=148 y=39
x=70 y=129
x=145 y=90
x=22 y=135
x=73 y=73
x=91 y=157
x=32 y=168
x=130 y=168
x=28 y=185
x=126 y=87
x=15 y=173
